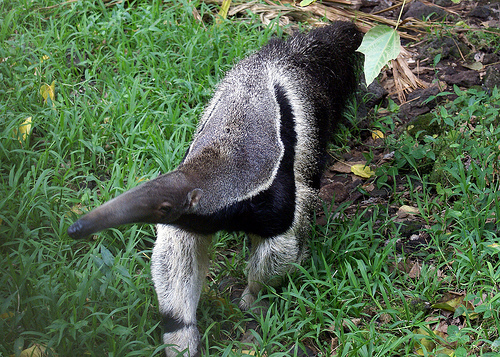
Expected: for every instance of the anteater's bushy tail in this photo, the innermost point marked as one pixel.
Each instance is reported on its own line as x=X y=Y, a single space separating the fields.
x=329 y=58
x=329 y=54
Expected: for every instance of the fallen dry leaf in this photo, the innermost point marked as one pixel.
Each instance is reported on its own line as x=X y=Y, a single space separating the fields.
x=442 y=327
x=476 y=66
x=362 y=171
x=36 y=350
x=431 y=346
x=341 y=167
x=345 y=166
x=377 y=134
x=369 y=187
x=405 y=210
x=48 y=91
x=24 y=129
x=415 y=270
x=454 y=303
x=426 y=342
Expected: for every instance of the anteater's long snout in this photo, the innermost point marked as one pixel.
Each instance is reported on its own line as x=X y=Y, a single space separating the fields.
x=129 y=207
x=137 y=205
x=161 y=200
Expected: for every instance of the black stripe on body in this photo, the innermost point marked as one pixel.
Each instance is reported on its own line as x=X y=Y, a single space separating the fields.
x=269 y=213
x=172 y=324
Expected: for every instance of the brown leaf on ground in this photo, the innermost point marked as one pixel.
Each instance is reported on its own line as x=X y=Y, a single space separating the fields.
x=342 y=166
x=415 y=270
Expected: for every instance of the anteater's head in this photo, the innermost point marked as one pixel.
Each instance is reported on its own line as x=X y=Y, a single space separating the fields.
x=162 y=200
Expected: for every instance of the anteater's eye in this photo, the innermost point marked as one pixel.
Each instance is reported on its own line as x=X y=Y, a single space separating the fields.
x=165 y=208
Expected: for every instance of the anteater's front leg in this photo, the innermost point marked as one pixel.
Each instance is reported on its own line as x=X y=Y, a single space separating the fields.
x=179 y=266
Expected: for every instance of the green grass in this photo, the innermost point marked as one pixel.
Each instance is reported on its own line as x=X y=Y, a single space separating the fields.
x=130 y=84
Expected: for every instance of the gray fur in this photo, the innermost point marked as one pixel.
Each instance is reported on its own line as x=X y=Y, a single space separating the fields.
x=222 y=144
x=179 y=266
x=253 y=166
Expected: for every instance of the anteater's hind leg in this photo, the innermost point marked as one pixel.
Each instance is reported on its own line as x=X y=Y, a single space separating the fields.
x=179 y=266
x=272 y=258
x=269 y=261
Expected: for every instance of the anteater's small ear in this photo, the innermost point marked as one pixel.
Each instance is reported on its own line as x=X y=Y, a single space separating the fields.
x=193 y=197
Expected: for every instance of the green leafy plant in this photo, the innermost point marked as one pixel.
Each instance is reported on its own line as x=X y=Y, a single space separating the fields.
x=380 y=45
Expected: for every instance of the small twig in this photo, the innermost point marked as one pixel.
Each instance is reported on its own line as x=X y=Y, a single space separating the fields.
x=447 y=9
x=386 y=9
x=477 y=29
x=459 y=50
x=400 y=14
